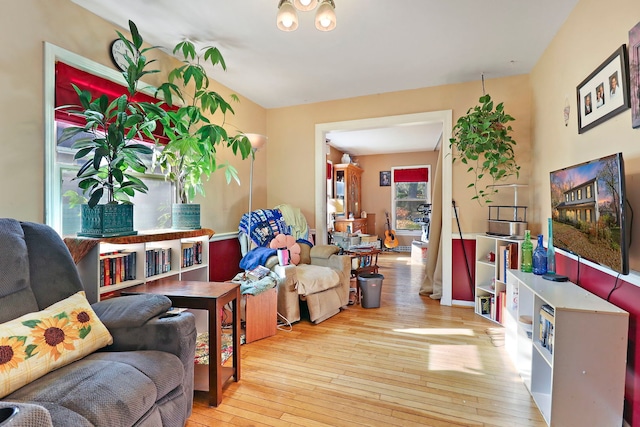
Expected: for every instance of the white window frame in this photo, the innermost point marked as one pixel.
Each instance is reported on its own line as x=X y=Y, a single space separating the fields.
x=393 y=198
x=53 y=170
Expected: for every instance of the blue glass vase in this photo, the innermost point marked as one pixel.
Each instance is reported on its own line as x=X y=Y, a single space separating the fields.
x=540 y=258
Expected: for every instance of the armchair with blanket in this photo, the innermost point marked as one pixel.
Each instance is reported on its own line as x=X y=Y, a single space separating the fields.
x=318 y=276
x=64 y=362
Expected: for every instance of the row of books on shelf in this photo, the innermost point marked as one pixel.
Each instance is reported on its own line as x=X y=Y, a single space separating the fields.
x=191 y=253
x=507 y=259
x=120 y=266
x=547 y=327
x=117 y=267
x=492 y=306
x=157 y=261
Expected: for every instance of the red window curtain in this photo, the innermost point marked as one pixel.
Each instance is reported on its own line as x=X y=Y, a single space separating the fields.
x=329 y=170
x=411 y=175
x=97 y=86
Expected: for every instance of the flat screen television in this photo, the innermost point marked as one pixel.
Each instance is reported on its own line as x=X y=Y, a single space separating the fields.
x=588 y=212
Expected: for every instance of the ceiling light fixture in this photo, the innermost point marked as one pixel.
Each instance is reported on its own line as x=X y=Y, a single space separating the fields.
x=287 y=19
x=326 y=16
x=305 y=5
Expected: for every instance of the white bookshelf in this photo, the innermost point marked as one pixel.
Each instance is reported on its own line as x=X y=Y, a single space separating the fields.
x=490 y=279
x=89 y=251
x=581 y=380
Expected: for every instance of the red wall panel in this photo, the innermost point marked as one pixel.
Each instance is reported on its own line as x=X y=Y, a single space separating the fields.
x=224 y=259
x=461 y=288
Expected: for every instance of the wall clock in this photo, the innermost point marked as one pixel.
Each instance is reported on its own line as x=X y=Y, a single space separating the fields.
x=119 y=51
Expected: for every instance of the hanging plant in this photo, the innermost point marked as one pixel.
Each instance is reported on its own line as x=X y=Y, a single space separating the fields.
x=482 y=141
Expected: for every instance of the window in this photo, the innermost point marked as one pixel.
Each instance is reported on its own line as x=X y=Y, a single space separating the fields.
x=588 y=191
x=63 y=197
x=580 y=194
x=153 y=209
x=410 y=187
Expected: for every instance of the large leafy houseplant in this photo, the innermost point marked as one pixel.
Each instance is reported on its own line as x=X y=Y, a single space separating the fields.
x=482 y=141
x=108 y=148
x=190 y=156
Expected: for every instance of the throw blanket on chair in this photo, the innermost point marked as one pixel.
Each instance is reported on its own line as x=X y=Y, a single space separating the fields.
x=265 y=224
x=294 y=218
x=314 y=278
x=257 y=256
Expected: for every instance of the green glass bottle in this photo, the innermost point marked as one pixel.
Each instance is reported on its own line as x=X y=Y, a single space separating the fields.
x=526 y=264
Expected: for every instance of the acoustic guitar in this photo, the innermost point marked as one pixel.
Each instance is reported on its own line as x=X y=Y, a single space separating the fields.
x=390 y=240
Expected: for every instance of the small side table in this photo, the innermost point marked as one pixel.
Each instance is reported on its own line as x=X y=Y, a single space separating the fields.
x=363 y=261
x=210 y=296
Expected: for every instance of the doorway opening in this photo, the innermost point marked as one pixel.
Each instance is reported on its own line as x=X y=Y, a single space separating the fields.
x=445 y=118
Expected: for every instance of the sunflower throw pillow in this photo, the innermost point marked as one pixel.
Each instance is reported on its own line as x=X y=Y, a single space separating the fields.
x=37 y=343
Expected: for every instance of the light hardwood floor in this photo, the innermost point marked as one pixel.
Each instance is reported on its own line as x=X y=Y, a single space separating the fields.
x=410 y=362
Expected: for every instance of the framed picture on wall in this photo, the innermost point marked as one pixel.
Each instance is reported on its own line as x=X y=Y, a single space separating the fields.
x=385 y=178
x=634 y=74
x=605 y=92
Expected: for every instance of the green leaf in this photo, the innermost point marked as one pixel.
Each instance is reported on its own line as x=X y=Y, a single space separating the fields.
x=95 y=197
x=31 y=323
x=83 y=332
x=29 y=350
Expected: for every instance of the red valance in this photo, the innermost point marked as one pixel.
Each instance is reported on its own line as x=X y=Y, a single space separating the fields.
x=411 y=175
x=97 y=86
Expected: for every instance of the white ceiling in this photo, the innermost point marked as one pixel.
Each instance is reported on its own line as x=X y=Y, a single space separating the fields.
x=378 y=46
x=407 y=138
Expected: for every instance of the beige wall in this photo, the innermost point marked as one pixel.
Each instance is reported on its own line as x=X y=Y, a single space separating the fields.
x=291 y=137
x=576 y=51
x=26 y=25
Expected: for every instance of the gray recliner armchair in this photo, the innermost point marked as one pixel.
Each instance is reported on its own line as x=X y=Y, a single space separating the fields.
x=145 y=378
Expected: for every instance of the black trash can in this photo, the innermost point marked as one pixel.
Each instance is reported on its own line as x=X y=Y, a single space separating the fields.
x=371 y=288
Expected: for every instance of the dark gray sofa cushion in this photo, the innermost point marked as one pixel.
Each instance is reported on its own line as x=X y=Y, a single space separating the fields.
x=119 y=387
x=52 y=272
x=130 y=311
x=16 y=296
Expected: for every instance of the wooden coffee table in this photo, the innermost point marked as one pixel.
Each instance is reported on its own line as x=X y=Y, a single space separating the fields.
x=210 y=296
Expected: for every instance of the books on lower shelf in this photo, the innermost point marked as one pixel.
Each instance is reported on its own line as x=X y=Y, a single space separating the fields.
x=157 y=261
x=492 y=306
x=117 y=267
x=191 y=253
x=507 y=259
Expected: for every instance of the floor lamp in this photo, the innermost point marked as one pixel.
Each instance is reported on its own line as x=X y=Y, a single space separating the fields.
x=257 y=141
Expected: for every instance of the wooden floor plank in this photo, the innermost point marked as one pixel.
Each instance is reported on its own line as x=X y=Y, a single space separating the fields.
x=410 y=362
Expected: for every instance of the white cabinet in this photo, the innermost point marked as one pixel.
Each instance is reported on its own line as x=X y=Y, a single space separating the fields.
x=494 y=256
x=573 y=361
x=175 y=250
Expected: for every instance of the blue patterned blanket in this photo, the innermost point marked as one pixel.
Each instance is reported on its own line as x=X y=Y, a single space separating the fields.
x=265 y=225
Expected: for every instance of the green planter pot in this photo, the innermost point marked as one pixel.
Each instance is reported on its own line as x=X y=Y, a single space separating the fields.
x=185 y=216
x=107 y=221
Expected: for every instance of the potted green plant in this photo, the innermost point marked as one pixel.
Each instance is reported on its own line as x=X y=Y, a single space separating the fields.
x=482 y=141
x=105 y=144
x=190 y=156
